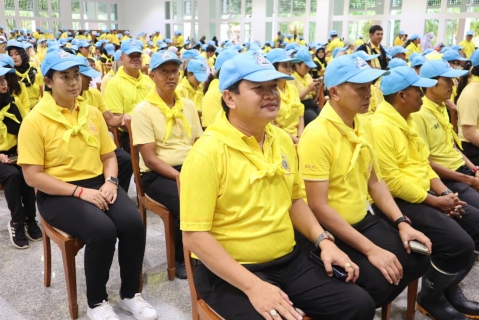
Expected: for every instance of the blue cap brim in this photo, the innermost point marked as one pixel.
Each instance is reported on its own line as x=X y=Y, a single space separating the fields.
x=178 y=61
x=424 y=83
x=89 y=72
x=310 y=63
x=133 y=50
x=62 y=66
x=201 y=77
x=454 y=73
x=4 y=71
x=111 y=52
x=266 y=75
x=367 y=75
x=371 y=57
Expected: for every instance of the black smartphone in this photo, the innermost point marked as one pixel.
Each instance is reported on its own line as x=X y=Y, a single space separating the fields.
x=338 y=272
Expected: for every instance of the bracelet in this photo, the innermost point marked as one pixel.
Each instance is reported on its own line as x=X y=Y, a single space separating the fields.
x=73 y=194
x=79 y=194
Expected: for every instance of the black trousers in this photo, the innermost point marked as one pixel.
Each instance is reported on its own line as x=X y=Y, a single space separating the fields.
x=20 y=197
x=370 y=278
x=471 y=152
x=452 y=247
x=124 y=139
x=99 y=230
x=165 y=191
x=304 y=281
x=125 y=169
x=311 y=110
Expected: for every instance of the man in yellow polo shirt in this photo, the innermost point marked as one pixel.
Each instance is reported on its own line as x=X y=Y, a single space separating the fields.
x=129 y=86
x=339 y=168
x=420 y=194
x=157 y=36
x=164 y=128
x=399 y=39
x=467 y=44
x=335 y=42
x=240 y=198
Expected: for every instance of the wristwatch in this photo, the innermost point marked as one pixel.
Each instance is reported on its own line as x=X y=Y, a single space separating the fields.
x=402 y=219
x=326 y=235
x=475 y=168
x=113 y=180
x=446 y=192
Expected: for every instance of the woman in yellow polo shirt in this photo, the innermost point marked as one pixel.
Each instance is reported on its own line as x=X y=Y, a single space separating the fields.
x=190 y=86
x=291 y=112
x=29 y=75
x=67 y=154
x=15 y=86
x=413 y=45
x=20 y=197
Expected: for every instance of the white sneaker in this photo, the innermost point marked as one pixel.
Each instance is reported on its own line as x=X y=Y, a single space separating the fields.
x=141 y=309
x=102 y=311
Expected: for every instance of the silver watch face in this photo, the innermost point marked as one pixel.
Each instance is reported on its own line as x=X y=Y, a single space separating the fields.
x=113 y=179
x=330 y=235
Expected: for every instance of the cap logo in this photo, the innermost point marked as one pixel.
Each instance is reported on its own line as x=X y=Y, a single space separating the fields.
x=64 y=55
x=166 y=55
x=261 y=61
x=133 y=44
x=360 y=63
x=203 y=69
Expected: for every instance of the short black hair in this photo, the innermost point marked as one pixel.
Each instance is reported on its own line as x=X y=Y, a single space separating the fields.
x=390 y=98
x=210 y=48
x=375 y=28
x=233 y=88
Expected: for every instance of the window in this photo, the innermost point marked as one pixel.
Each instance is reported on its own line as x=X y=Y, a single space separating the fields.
x=102 y=10
x=167 y=10
x=289 y=8
x=55 y=8
x=77 y=25
x=293 y=28
x=230 y=9
x=76 y=10
x=433 y=6
x=431 y=25
x=114 y=12
x=396 y=6
x=248 y=8
x=314 y=8
x=247 y=32
x=362 y=7
x=25 y=8
x=451 y=32
x=269 y=8
x=312 y=32
x=11 y=24
x=187 y=9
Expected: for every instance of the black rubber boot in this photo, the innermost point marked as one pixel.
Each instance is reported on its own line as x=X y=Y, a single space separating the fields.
x=457 y=299
x=431 y=300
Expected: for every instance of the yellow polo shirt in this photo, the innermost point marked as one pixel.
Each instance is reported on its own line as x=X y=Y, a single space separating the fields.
x=123 y=92
x=468 y=107
x=23 y=98
x=223 y=193
x=325 y=154
x=105 y=80
x=94 y=98
x=398 y=42
x=335 y=43
x=402 y=154
x=211 y=104
x=469 y=47
x=11 y=140
x=358 y=43
x=157 y=38
x=186 y=90
x=302 y=83
x=439 y=141
x=412 y=48
x=179 y=40
x=149 y=125
x=33 y=91
x=291 y=109
x=40 y=142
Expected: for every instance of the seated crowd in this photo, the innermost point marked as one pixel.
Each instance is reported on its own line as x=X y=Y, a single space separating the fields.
x=315 y=180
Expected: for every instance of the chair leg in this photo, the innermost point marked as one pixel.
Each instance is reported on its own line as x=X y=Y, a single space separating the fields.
x=411 y=299
x=194 y=311
x=170 y=246
x=47 y=259
x=386 y=312
x=70 y=277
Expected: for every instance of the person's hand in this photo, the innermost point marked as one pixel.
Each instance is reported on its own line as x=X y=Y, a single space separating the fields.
x=295 y=139
x=476 y=174
x=124 y=119
x=266 y=297
x=449 y=204
x=332 y=255
x=407 y=233
x=387 y=263
x=4 y=158
x=109 y=191
x=456 y=213
x=314 y=85
x=94 y=197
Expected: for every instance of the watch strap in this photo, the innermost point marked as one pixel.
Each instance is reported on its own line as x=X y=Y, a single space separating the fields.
x=401 y=220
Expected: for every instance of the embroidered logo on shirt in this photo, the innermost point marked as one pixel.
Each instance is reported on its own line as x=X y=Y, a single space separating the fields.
x=284 y=162
x=436 y=126
x=92 y=128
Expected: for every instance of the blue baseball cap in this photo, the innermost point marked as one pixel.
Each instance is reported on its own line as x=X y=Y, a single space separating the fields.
x=41 y=40
x=401 y=32
x=452 y=55
x=440 y=68
x=366 y=57
x=110 y=49
x=397 y=62
x=291 y=46
x=456 y=47
x=403 y=77
x=280 y=55
x=284 y=43
x=254 y=68
x=360 y=37
x=224 y=56
x=131 y=45
x=6 y=61
x=203 y=47
x=413 y=55
x=336 y=51
x=163 y=46
x=333 y=33
x=198 y=68
x=4 y=71
x=127 y=32
x=304 y=55
x=475 y=58
x=470 y=33
x=168 y=41
x=398 y=49
x=58 y=60
x=85 y=68
x=415 y=36
x=428 y=51
x=150 y=43
x=160 y=57
x=350 y=68
x=192 y=53
x=83 y=44
x=13 y=44
x=117 y=55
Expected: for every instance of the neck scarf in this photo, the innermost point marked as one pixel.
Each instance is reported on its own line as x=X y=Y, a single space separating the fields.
x=287 y=100
x=10 y=116
x=28 y=76
x=358 y=140
x=443 y=120
x=171 y=113
x=224 y=131
x=47 y=106
x=197 y=94
x=140 y=83
x=107 y=59
x=301 y=79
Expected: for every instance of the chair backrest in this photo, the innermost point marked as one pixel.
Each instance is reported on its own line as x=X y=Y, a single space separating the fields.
x=1 y=187
x=116 y=136
x=135 y=161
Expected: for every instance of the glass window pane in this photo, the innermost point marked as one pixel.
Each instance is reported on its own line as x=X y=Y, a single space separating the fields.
x=269 y=31
x=187 y=10
x=230 y=9
x=76 y=10
x=102 y=9
x=57 y=25
x=25 y=5
x=433 y=6
x=168 y=30
x=230 y=31
x=25 y=13
x=213 y=31
x=196 y=31
x=284 y=8
x=248 y=10
x=44 y=25
x=10 y=12
x=353 y=31
x=431 y=25
x=451 y=31
x=196 y=9
x=11 y=24
x=312 y=32
x=175 y=10
x=9 y=4
x=114 y=12
x=247 y=32
x=77 y=25
x=269 y=8
x=338 y=26
x=299 y=8
x=56 y=5
x=167 y=10
x=213 y=9
x=314 y=8
x=338 y=9
x=114 y=26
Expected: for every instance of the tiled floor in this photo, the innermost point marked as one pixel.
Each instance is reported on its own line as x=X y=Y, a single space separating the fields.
x=23 y=296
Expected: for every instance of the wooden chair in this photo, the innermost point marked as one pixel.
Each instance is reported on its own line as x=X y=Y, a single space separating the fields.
x=116 y=136
x=69 y=247
x=411 y=303
x=147 y=203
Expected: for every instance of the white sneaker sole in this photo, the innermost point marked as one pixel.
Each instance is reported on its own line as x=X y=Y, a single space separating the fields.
x=124 y=307
x=30 y=238
x=11 y=238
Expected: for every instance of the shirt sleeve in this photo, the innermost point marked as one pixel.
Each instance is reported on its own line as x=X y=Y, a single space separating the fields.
x=31 y=149
x=142 y=127
x=468 y=107
x=315 y=156
x=102 y=106
x=399 y=186
x=114 y=97
x=106 y=142
x=421 y=127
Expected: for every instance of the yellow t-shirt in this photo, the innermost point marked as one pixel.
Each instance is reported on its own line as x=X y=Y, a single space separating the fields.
x=23 y=98
x=468 y=107
x=179 y=40
x=325 y=154
x=412 y=48
x=358 y=42
x=398 y=42
x=335 y=43
x=123 y=92
x=94 y=98
x=402 y=155
x=439 y=141
x=105 y=80
x=157 y=38
x=302 y=83
x=376 y=98
x=186 y=90
x=290 y=111
x=33 y=91
x=468 y=47
x=40 y=142
x=211 y=104
x=149 y=125
x=11 y=140
x=219 y=195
